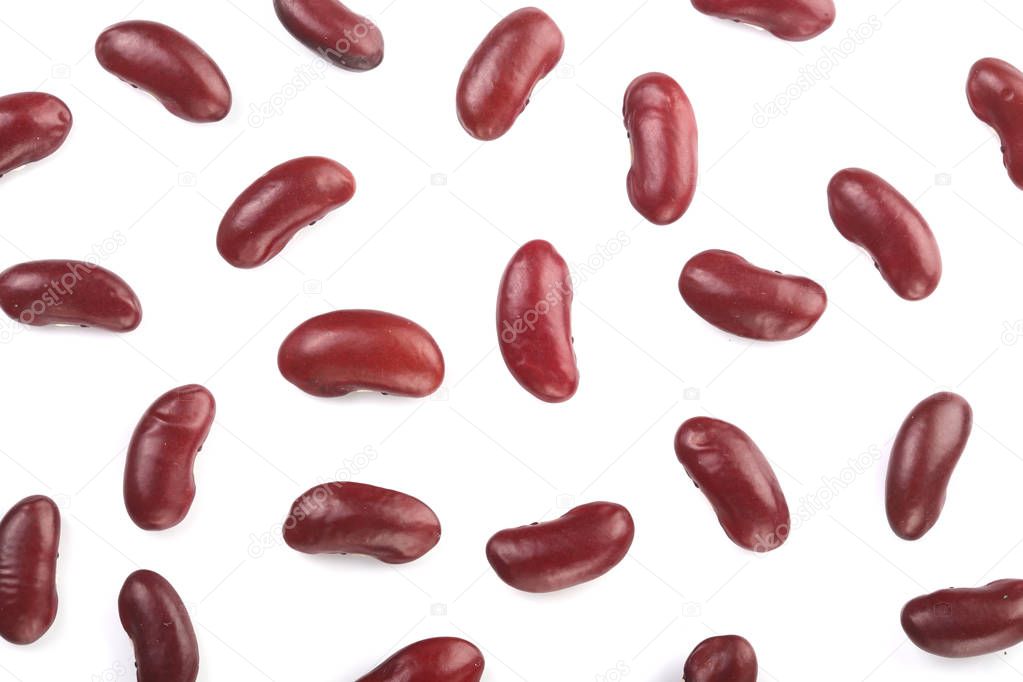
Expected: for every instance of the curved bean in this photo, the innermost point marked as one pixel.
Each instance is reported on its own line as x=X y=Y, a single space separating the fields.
x=958 y=623
x=441 y=658
x=33 y=125
x=333 y=31
x=995 y=93
x=787 y=19
x=29 y=539
x=160 y=629
x=728 y=658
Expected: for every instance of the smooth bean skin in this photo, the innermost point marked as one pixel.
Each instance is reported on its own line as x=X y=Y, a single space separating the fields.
x=158 y=482
x=442 y=658
x=738 y=297
x=662 y=131
x=68 y=292
x=924 y=455
x=33 y=125
x=496 y=84
x=959 y=623
x=738 y=481
x=336 y=353
x=29 y=539
x=167 y=65
x=159 y=628
x=995 y=93
x=264 y=218
x=334 y=32
x=580 y=546
x=534 y=322
x=787 y=19
x=728 y=658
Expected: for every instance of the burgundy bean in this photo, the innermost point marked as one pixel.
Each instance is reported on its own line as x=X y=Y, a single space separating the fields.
x=160 y=630
x=787 y=19
x=262 y=221
x=926 y=451
x=442 y=658
x=333 y=31
x=995 y=92
x=167 y=65
x=664 y=139
x=29 y=539
x=734 y=295
x=729 y=658
x=336 y=353
x=580 y=546
x=68 y=292
x=534 y=322
x=158 y=483
x=496 y=84
x=33 y=125
x=957 y=623
x=738 y=481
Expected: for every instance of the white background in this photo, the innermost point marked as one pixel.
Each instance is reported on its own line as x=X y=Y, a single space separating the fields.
x=435 y=219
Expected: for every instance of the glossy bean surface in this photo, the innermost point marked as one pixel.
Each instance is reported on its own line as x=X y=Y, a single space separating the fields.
x=738 y=481
x=959 y=623
x=33 y=125
x=787 y=19
x=29 y=541
x=160 y=629
x=740 y=298
x=431 y=660
x=580 y=546
x=498 y=81
x=728 y=658
x=995 y=93
x=264 y=218
x=167 y=65
x=334 y=32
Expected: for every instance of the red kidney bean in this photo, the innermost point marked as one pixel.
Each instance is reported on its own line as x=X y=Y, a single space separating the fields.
x=333 y=31
x=496 y=84
x=33 y=125
x=580 y=546
x=729 y=658
x=167 y=65
x=734 y=295
x=663 y=135
x=336 y=353
x=158 y=483
x=957 y=623
x=787 y=19
x=738 y=481
x=160 y=629
x=995 y=92
x=29 y=539
x=355 y=518
x=926 y=451
x=442 y=658
x=534 y=322
x=68 y=292
x=262 y=221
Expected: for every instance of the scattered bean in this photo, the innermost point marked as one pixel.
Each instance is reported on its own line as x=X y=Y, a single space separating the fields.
x=33 y=125
x=333 y=31
x=29 y=539
x=995 y=92
x=442 y=658
x=787 y=19
x=728 y=658
x=959 y=623
x=160 y=629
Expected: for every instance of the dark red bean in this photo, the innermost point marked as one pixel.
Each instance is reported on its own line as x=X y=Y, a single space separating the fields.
x=158 y=483
x=33 y=125
x=738 y=481
x=995 y=92
x=262 y=221
x=167 y=65
x=580 y=546
x=443 y=658
x=333 y=31
x=336 y=353
x=159 y=627
x=496 y=84
x=662 y=131
x=926 y=451
x=68 y=292
x=957 y=623
x=729 y=658
x=355 y=518
x=29 y=539
x=872 y=214
x=734 y=295
x=787 y=19
x=534 y=322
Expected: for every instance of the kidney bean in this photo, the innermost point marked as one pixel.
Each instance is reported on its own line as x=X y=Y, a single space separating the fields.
x=534 y=322
x=160 y=629
x=333 y=31
x=738 y=481
x=995 y=92
x=787 y=19
x=734 y=295
x=663 y=135
x=926 y=451
x=729 y=658
x=441 y=658
x=158 y=483
x=580 y=546
x=498 y=81
x=33 y=125
x=261 y=222
x=958 y=623
x=336 y=353
x=29 y=539
x=68 y=292
x=167 y=65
